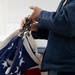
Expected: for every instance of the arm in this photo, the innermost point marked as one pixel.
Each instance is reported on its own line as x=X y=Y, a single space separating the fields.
x=61 y=22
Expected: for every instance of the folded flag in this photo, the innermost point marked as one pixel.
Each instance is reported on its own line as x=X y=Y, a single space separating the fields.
x=33 y=71
x=16 y=59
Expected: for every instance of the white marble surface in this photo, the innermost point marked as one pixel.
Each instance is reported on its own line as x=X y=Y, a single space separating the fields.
x=41 y=43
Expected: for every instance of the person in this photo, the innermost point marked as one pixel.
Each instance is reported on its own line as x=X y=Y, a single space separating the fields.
x=59 y=28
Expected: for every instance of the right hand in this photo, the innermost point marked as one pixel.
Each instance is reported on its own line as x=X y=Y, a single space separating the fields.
x=35 y=13
x=33 y=25
x=33 y=17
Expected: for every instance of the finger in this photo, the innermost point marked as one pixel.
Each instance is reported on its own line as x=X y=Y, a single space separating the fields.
x=33 y=27
x=33 y=23
x=32 y=7
x=21 y=26
x=24 y=20
x=22 y=23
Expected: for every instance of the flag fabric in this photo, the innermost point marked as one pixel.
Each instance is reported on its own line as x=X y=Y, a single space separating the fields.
x=33 y=71
x=18 y=58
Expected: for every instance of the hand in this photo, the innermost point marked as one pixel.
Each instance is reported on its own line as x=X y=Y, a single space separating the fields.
x=33 y=17
x=35 y=13
x=33 y=25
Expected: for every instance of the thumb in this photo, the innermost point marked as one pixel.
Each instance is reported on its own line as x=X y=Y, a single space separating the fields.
x=32 y=7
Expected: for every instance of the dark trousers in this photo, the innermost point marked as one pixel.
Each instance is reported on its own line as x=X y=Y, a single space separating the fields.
x=60 y=73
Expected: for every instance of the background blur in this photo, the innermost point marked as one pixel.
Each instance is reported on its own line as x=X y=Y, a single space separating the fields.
x=13 y=11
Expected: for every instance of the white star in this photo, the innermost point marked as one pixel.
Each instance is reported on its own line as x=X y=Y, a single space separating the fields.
x=21 y=61
x=17 y=68
x=8 y=70
x=9 y=62
x=4 y=64
x=10 y=46
x=20 y=54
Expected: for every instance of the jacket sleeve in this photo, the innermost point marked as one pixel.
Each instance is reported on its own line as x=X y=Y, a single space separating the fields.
x=60 y=22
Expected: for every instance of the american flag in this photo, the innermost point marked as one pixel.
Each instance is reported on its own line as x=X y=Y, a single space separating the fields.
x=16 y=59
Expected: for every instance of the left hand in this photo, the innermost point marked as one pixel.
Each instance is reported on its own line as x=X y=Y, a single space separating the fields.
x=33 y=25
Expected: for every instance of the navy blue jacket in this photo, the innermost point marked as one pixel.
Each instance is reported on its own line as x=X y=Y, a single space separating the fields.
x=59 y=27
